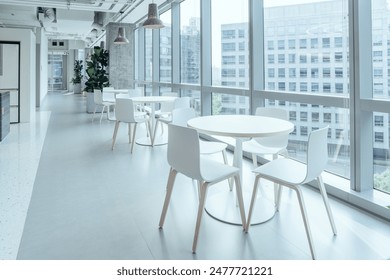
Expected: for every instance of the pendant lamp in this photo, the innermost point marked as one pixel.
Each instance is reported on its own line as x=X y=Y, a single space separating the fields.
x=153 y=22
x=121 y=37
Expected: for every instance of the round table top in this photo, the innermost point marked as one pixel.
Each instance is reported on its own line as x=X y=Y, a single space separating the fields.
x=241 y=125
x=153 y=99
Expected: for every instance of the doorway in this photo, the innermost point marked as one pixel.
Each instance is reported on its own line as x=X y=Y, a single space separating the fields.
x=57 y=72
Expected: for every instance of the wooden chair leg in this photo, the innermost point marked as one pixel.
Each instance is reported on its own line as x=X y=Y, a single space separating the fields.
x=101 y=115
x=115 y=133
x=305 y=221
x=326 y=202
x=153 y=136
x=253 y=200
x=170 y=183
x=133 y=140
x=240 y=200
x=278 y=197
x=225 y=161
x=203 y=194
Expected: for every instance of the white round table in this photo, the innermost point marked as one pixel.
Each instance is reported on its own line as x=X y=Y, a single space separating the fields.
x=152 y=100
x=240 y=127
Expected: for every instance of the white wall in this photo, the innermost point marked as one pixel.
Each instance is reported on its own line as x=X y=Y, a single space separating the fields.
x=27 y=69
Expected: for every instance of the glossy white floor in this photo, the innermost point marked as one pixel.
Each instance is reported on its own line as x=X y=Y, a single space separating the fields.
x=88 y=202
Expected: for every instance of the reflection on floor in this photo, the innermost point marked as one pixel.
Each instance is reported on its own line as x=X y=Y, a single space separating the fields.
x=89 y=202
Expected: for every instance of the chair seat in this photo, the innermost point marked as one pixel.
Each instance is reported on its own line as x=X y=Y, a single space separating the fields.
x=211 y=147
x=213 y=171
x=140 y=116
x=109 y=100
x=107 y=103
x=165 y=119
x=159 y=114
x=283 y=171
x=254 y=147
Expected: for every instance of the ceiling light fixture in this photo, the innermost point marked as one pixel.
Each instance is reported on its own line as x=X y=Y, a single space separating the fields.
x=153 y=22
x=121 y=37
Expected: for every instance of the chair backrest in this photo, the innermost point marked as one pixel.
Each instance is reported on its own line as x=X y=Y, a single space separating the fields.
x=107 y=95
x=278 y=140
x=97 y=96
x=272 y=112
x=124 y=110
x=182 y=102
x=183 y=151
x=181 y=116
x=167 y=107
x=317 y=153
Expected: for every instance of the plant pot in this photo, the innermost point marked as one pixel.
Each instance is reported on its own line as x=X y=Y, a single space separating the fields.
x=77 y=88
x=91 y=104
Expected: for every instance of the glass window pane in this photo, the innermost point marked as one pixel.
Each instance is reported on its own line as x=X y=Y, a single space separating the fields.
x=380 y=51
x=381 y=151
x=308 y=117
x=136 y=54
x=148 y=54
x=190 y=42
x=166 y=48
x=228 y=104
x=195 y=98
x=230 y=39
x=320 y=31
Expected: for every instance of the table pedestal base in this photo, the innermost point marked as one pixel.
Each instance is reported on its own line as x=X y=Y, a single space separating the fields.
x=223 y=207
x=145 y=141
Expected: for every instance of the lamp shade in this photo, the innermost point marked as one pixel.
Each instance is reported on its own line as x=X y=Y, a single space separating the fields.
x=121 y=38
x=153 y=21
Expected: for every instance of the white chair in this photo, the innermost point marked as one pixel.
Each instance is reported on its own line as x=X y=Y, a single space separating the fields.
x=99 y=102
x=166 y=107
x=180 y=102
x=273 y=145
x=292 y=174
x=126 y=113
x=184 y=157
x=181 y=116
x=109 y=96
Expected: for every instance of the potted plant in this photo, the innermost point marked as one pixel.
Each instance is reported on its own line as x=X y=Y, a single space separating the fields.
x=97 y=74
x=77 y=76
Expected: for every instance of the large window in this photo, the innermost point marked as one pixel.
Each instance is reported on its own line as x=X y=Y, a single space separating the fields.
x=380 y=15
x=319 y=28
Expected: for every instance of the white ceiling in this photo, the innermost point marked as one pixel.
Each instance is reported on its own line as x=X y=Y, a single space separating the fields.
x=74 y=18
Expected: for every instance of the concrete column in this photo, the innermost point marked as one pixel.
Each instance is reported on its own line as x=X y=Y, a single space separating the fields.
x=121 y=63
